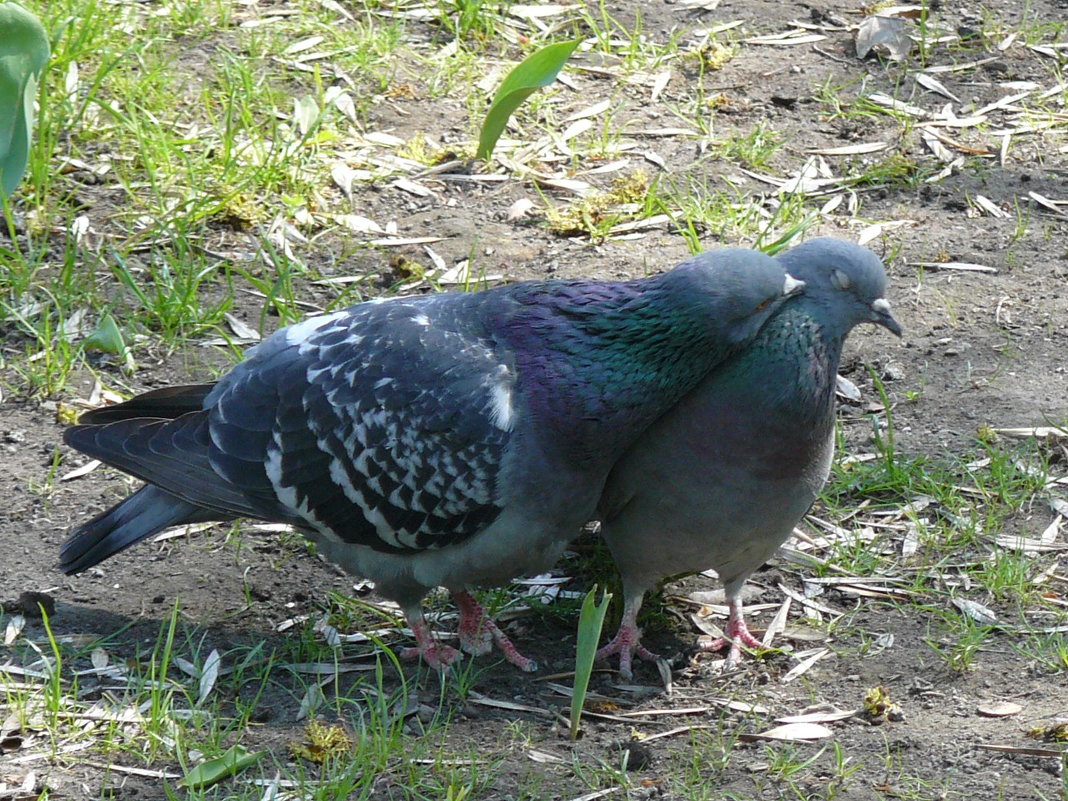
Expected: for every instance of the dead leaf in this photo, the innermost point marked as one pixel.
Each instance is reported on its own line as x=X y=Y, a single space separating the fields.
x=792 y=732
x=99 y=658
x=849 y=150
x=847 y=389
x=15 y=625
x=244 y=332
x=78 y=472
x=209 y=675
x=359 y=224
x=821 y=713
x=462 y=274
x=787 y=39
x=303 y=44
x=953 y=265
x=802 y=667
x=591 y=111
x=401 y=241
x=888 y=35
x=989 y=206
x=935 y=85
x=1040 y=432
x=414 y=188
x=660 y=82
x=976 y=611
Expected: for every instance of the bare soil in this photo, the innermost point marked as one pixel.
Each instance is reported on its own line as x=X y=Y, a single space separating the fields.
x=981 y=349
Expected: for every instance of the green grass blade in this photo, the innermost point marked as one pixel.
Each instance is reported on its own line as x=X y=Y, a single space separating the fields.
x=537 y=70
x=23 y=56
x=591 y=620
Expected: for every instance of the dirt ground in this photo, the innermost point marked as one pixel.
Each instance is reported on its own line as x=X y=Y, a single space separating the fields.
x=980 y=349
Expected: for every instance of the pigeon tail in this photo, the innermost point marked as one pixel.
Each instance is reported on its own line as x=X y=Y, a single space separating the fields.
x=146 y=512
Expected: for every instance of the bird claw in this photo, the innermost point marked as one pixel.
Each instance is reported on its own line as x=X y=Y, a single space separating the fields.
x=737 y=636
x=479 y=633
x=437 y=656
x=476 y=643
x=627 y=643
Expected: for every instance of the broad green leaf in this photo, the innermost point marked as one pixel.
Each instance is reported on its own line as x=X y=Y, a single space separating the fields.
x=538 y=69
x=106 y=337
x=210 y=771
x=591 y=620
x=23 y=56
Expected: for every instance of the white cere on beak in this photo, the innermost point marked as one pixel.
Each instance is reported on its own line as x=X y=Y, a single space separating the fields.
x=792 y=285
x=881 y=305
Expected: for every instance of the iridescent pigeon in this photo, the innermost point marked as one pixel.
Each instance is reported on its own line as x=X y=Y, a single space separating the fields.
x=722 y=478
x=449 y=440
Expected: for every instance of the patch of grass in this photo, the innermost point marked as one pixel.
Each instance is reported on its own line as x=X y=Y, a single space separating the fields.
x=476 y=20
x=595 y=214
x=725 y=213
x=754 y=147
x=628 y=41
x=179 y=701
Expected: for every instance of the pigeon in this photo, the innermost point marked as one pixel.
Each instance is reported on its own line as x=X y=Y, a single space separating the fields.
x=451 y=440
x=721 y=479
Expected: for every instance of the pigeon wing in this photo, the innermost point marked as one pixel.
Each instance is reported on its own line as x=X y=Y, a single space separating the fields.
x=395 y=437
x=166 y=403
x=383 y=425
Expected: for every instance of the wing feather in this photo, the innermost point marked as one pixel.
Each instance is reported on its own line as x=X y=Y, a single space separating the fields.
x=384 y=425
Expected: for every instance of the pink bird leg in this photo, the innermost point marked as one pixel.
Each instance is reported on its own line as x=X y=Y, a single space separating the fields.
x=435 y=654
x=737 y=635
x=627 y=641
x=478 y=633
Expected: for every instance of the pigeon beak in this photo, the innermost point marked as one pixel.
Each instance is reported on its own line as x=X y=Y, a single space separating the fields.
x=880 y=310
x=792 y=286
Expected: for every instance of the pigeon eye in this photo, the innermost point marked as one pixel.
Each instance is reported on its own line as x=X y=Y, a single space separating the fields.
x=763 y=305
x=840 y=280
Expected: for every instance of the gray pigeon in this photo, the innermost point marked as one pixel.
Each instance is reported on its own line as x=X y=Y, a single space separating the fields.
x=446 y=440
x=722 y=478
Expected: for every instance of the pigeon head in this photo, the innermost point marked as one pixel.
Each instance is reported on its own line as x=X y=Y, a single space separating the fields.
x=750 y=285
x=849 y=280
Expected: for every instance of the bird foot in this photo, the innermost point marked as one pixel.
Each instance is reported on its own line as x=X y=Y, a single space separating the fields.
x=476 y=643
x=436 y=655
x=478 y=633
x=737 y=636
x=475 y=636
x=627 y=643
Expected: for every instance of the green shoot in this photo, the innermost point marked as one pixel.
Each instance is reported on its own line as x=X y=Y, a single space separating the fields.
x=591 y=619
x=537 y=70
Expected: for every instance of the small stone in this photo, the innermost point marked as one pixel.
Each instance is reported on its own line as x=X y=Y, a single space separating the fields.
x=998 y=709
x=32 y=603
x=638 y=756
x=893 y=372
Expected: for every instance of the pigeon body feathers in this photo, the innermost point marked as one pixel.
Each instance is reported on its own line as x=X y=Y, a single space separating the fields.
x=445 y=440
x=722 y=478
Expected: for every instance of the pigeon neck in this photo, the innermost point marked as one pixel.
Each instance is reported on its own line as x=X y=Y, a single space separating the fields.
x=801 y=355
x=617 y=366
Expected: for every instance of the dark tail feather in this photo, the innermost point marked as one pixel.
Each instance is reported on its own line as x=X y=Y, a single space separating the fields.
x=146 y=512
x=166 y=403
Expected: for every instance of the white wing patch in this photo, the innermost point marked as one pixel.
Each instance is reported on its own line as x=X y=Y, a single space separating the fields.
x=298 y=333
x=502 y=412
